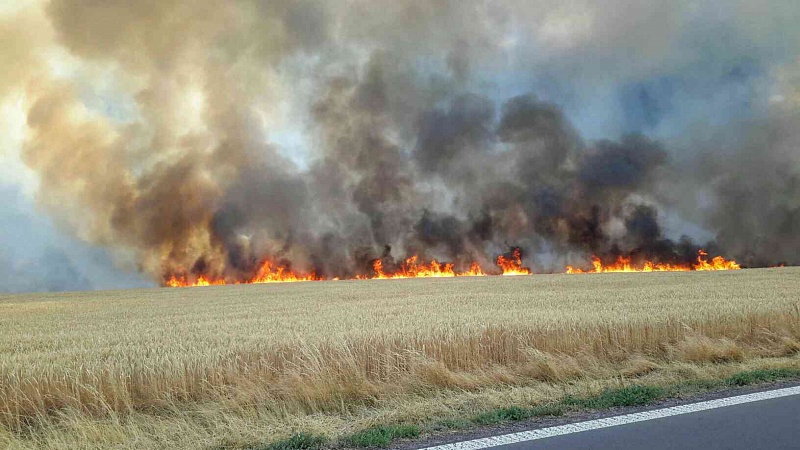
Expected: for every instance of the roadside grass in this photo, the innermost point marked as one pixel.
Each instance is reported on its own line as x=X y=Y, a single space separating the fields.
x=301 y=441
x=498 y=415
x=761 y=376
x=383 y=435
x=451 y=424
x=625 y=396
x=635 y=395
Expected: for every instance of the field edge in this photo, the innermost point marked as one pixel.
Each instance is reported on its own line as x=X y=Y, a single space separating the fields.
x=615 y=397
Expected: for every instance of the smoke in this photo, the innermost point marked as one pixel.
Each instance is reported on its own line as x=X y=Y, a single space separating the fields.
x=154 y=130
x=37 y=257
x=757 y=193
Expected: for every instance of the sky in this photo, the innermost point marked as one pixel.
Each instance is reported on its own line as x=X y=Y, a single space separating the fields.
x=102 y=101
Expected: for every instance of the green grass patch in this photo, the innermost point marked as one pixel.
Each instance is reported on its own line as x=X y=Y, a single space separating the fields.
x=452 y=424
x=383 y=435
x=515 y=413
x=635 y=395
x=498 y=415
x=696 y=386
x=761 y=376
x=301 y=441
x=549 y=409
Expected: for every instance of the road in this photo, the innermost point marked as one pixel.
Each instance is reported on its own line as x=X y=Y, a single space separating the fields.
x=757 y=422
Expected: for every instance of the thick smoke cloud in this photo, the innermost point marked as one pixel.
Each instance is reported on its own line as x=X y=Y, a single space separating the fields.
x=757 y=193
x=412 y=145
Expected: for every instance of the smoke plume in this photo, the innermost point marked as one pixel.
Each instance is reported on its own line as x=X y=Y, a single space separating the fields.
x=159 y=129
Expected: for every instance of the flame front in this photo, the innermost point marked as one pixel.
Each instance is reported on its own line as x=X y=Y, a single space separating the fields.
x=414 y=267
x=474 y=271
x=181 y=281
x=271 y=273
x=266 y=273
x=716 y=263
x=623 y=264
x=513 y=265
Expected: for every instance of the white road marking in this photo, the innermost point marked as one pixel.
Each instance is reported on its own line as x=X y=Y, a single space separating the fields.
x=543 y=433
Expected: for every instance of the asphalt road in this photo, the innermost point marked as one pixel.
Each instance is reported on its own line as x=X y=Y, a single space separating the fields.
x=766 y=424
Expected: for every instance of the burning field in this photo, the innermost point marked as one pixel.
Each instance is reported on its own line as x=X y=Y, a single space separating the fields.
x=239 y=367
x=413 y=268
x=361 y=212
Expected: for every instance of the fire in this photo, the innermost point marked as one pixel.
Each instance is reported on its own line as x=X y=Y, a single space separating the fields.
x=717 y=263
x=513 y=265
x=474 y=271
x=266 y=273
x=413 y=267
x=623 y=264
x=269 y=273
x=201 y=281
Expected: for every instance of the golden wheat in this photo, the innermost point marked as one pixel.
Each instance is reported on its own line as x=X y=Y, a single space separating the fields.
x=236 y=363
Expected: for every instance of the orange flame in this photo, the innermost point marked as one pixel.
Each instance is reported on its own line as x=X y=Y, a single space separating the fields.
x=412 y=268
x=623 y=264
x=717 y=263
x=268 y=273
x=201 y=281
x=271 y=273
x=513 y=265
x=474 y=271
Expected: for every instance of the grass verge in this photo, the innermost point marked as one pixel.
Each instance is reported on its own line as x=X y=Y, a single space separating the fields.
x=302 y=441
x=383 y=435
x=625 y=396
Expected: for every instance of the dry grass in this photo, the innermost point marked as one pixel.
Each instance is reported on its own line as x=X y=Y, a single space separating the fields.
x=238 y=364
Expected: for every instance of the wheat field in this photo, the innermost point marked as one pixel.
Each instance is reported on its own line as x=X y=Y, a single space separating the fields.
x=227 y=366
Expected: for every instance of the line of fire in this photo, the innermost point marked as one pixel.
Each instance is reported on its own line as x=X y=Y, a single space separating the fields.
x=506 y=265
